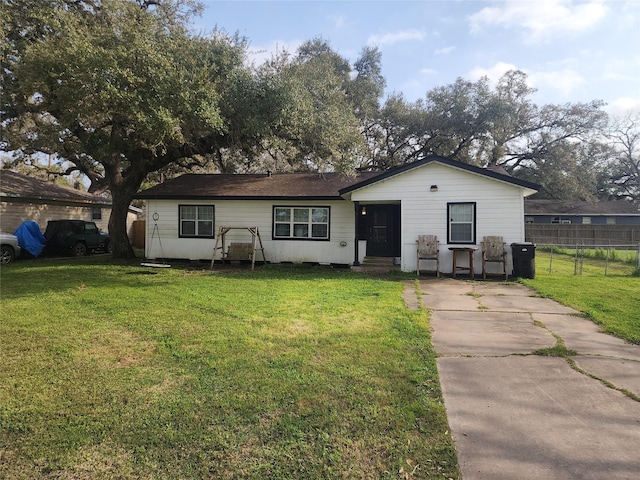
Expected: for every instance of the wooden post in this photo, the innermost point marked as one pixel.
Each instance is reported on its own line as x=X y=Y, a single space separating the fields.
x=253 y=252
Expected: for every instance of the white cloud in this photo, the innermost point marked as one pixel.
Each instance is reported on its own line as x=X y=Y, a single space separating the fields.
x=540 y=19
x=339 y=21
x=428 y=71
x=258 y=54
x=492 y=73
x=444 y=51
x=397 y=37
x=565 y=81
x=622 y=106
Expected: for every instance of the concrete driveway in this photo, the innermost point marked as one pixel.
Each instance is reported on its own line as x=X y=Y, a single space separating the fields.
x=515 y=415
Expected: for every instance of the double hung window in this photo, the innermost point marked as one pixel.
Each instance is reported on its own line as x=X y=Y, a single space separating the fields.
x=196 y=221
x=300 y=223
x=461 y=226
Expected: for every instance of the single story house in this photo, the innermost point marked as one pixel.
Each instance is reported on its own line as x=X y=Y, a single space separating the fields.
x=613 y=212
x=335 y=219
x=25 y=198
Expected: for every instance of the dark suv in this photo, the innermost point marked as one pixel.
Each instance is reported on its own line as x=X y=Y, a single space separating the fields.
x=75 y=237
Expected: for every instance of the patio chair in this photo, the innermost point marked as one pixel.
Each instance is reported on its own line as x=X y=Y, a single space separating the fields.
x=493 y=251
x=428 y=249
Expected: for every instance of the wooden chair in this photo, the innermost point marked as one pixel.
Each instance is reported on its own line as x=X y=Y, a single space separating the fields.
x=494 y=251
x=428 y=249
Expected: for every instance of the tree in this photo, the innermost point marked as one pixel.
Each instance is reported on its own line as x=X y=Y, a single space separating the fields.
x=317 y=128
x=120 y=91
x=624 y=167
x=116 y=88
x=494 y=126
x=567 y=171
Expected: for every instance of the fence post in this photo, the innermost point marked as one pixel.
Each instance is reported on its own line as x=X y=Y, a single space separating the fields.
x=580 y=255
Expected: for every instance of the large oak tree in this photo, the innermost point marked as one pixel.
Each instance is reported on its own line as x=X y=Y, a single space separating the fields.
x=114 y=88
x=123 y=92
x=497 y=126
x=624 y=165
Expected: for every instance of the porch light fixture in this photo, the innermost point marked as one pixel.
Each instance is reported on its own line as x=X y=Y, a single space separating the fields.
x=434 y=188
x=363 y=211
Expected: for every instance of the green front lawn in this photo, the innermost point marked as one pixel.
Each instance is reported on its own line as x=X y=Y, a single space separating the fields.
x=288 y=372
x=612 y=301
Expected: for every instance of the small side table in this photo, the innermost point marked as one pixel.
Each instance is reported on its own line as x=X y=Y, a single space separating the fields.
x=457 y=250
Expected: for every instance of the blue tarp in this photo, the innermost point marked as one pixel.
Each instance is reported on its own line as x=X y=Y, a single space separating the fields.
x=30 y=238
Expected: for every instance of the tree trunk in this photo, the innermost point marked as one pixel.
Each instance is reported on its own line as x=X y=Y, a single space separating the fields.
x=120 y=245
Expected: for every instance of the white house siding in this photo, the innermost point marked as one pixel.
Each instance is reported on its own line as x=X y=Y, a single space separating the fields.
x=499 y=208
x=164 y=241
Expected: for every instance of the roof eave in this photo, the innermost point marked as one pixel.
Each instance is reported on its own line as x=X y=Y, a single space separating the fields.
x=240 y=197
x=68 y=201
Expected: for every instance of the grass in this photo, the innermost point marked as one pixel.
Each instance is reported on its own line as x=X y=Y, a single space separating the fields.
x=613 y=301
x=285 y=373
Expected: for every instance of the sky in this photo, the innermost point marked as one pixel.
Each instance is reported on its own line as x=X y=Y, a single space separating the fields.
x=572 y=51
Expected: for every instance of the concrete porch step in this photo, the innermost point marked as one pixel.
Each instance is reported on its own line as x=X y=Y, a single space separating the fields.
x=378 y=261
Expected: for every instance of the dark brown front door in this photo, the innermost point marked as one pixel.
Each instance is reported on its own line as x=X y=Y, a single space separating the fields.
x=383 y=230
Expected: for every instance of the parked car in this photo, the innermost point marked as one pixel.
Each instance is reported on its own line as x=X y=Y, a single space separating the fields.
x=75 y=237
x=10 y=248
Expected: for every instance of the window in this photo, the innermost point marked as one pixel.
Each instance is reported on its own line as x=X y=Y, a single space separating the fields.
x=611 y=220
x=310 y=223
x=96 y=213
x=461 y=226
x=586 y=220
x=196 y=221
x=91 y=229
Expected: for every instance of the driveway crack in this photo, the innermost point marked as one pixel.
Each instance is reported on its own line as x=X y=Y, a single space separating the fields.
x=560 y=350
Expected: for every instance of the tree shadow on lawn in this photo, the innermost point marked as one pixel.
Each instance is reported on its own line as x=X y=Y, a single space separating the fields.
x=45 y=275
x=41 y=276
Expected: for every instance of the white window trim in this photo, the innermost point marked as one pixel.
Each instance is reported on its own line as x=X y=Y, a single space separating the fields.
x=472 y=240
x=197 y=221
x=292 y=223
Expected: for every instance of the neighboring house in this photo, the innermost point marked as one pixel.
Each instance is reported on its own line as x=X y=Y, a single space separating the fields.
x=615 y=212
x=26 y=198
x=333 y=219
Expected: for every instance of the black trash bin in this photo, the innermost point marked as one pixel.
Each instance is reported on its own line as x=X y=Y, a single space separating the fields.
x=524 y=263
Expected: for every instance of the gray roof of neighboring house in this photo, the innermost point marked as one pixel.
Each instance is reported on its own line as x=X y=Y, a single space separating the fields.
x=16 y=185
x=308 y=186
x=579 y=207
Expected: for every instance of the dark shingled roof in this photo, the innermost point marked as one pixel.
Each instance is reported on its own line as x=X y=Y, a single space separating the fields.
x=578 y=207
x=255 y=186
x=16 y=185
x=310 y=186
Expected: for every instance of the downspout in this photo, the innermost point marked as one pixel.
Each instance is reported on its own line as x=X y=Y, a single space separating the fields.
x=356 y=209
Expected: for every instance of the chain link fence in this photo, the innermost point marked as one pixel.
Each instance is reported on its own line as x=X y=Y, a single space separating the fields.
x=591 y=259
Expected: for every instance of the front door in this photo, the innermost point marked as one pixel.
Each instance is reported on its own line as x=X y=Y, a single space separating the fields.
x=383 y=230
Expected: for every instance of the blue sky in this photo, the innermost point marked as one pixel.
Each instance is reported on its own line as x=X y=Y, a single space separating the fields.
x=572 y=51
